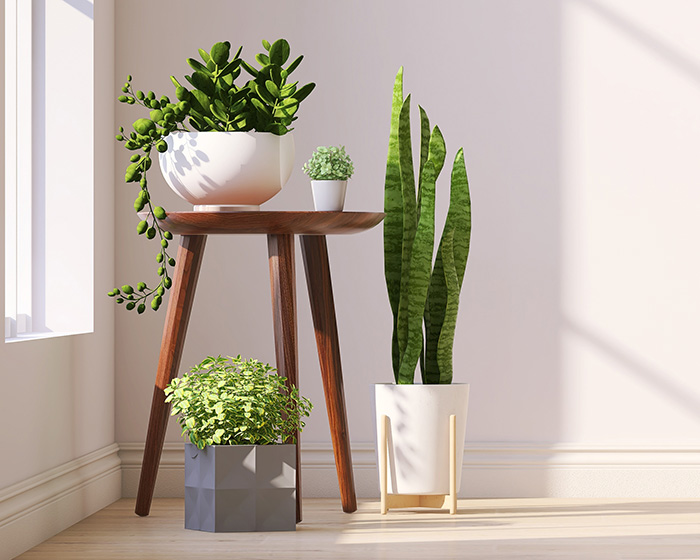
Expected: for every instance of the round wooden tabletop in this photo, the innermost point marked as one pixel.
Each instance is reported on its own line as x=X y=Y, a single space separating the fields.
x=303 y=223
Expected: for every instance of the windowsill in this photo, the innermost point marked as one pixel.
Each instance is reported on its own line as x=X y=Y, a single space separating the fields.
x=42 y=335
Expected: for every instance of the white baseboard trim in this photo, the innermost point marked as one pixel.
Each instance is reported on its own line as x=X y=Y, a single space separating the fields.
x=38 y=508
x=497 y=470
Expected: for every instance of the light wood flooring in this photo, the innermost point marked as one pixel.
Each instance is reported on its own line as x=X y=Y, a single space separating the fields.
x=495 y=528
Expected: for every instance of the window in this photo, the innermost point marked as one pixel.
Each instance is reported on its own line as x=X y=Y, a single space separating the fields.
x=49 y=226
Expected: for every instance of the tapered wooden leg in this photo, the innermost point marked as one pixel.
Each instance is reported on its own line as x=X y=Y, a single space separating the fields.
x=318 y=281
x=284 y=312
x=189 y=260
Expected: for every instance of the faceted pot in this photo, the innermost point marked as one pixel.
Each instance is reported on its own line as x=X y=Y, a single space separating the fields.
x=418 y=434
x=234 y=488
x=227 y=171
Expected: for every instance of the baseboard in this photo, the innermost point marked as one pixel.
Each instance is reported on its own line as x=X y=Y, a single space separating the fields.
x=38 y=508
x=491 y=470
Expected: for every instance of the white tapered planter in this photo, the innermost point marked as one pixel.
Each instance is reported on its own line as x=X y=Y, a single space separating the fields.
x=227 y=171
x=329 y=196
x=418 y=433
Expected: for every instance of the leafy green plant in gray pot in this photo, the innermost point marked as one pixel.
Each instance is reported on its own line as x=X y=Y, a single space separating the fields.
x=329 y=170
x=240 y=462
x=424 y=299
x=212 y=113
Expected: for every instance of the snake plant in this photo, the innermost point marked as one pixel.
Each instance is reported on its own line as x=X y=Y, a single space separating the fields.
x=424 y=295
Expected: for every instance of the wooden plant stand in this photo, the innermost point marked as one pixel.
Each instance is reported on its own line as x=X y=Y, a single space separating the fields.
x=395 y=501
x=280 y=228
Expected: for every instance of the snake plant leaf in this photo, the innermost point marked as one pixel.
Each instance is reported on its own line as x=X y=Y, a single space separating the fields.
x=424 y=140
x=293 y=65
x=408 y=194
x=419 y=276
x=453 y=253
x=446 y=340
x=437 y=149
x=433 y=318
x=459 y=216
x=220 y=53
x=393 y=221
x=279 y=52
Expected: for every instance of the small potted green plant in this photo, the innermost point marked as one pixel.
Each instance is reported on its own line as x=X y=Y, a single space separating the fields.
x=329 y=170
x=223 y=144
x=240 y=462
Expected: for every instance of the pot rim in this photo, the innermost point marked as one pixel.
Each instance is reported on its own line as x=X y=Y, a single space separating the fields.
x=422 y=384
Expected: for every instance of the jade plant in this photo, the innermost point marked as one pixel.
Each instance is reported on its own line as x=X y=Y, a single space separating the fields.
x=424 y=296
x=329 y=164
x=232 y=401
x=214 y=101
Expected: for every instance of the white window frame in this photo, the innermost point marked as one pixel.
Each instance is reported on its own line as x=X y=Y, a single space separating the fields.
x=49 y=273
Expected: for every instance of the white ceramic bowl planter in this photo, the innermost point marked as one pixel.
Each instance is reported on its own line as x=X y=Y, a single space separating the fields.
x=329 y=196
x=418 y=434
x=227 y=171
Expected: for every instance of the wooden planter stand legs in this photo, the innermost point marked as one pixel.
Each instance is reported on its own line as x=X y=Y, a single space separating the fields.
x=394 y=501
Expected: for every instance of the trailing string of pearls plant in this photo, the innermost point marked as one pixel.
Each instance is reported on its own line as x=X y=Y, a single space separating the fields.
x=265 y=103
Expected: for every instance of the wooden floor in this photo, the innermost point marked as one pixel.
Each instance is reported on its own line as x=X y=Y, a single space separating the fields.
x=532 y=529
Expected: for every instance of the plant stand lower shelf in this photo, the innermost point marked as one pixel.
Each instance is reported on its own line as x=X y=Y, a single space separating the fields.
x=396 y=501
x=280 y=229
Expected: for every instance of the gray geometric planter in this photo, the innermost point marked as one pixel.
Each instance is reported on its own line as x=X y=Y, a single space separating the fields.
x=231 y=488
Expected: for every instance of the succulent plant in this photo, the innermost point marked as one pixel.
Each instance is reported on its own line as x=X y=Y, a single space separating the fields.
x=329 y=164
x=424 y=298
x=265 y=103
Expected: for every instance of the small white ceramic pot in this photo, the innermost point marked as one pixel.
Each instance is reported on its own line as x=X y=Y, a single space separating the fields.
x=418 y=434
x=227 y=171
x=329 y=196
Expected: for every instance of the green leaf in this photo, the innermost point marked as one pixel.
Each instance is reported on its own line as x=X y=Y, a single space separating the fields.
x=303 y=92
x=424 y=141
x=393 y=221
x=279 y=52
x=212 y=125
x=419 y=275
x=447 y=278
x=248 y=68
x=219 y=110
x=202 y=82
x=293 y=65
x=220 y=53
x=272 y=88
x=198 y=66
x=205 y=55
x=266 y=45
x=262 y=59
x=408 y=195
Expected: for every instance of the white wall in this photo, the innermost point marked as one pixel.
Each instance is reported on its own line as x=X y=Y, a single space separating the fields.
x=580 y=313
x=59 y=462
